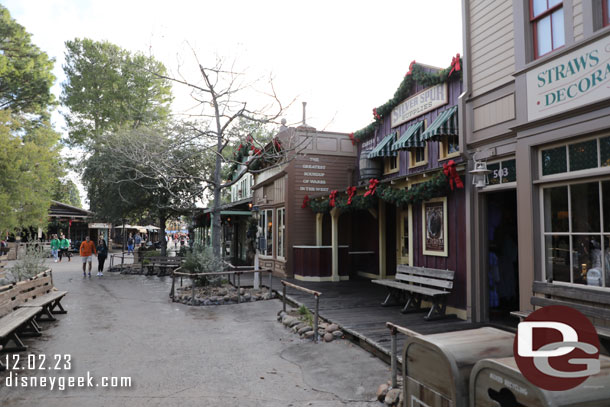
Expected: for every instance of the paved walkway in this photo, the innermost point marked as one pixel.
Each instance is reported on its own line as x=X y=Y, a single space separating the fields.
x=175 y=355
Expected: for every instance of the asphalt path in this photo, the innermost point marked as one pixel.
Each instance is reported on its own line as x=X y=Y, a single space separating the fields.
x=123 y=327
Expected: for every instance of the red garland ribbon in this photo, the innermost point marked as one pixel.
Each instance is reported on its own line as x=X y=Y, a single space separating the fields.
x=375 y=114
x=240 y=147
x=451 y=173
x=351 y=191
x=372 y=187
x=411 y=65
x=455 y=64
x=351 y=137
x=305 y=202
x=332 y=196
x=277 y=144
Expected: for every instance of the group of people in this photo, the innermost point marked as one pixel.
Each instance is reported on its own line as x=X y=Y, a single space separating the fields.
x=88 y=249
x=60 y=247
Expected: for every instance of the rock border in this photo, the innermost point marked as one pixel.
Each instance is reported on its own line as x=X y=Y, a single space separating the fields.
x=296 y=322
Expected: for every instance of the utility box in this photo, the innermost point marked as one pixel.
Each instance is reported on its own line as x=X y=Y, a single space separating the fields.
x=436 y=368
x=499 y=383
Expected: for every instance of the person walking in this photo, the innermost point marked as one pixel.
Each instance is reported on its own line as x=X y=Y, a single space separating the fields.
x=87 y=250
x=102 y=253
x=55 y=247
x=64 y=248
x=130 y=244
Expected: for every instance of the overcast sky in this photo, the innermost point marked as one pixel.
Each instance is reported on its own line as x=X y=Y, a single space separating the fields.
x=342 y=57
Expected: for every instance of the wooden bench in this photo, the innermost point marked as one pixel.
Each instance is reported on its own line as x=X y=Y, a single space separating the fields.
x=21 y=305
x=162 y=262
x=419 y=283
x=581 y=298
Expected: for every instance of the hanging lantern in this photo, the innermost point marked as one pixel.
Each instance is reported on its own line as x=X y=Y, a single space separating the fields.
x=479 y=174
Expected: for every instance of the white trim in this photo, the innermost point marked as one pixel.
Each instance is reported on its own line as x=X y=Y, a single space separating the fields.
x=445 y=251
x=318 y=279
x=401 y=213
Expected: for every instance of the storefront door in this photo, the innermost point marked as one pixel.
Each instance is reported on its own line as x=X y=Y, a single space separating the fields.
x=502 y=261
x=404 y=238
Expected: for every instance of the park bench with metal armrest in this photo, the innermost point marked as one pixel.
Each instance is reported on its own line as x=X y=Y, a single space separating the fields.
x=419 y=283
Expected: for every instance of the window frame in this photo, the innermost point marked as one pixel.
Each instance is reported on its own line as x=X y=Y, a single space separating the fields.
x=263 y=222
x=569 y=175
x=605 y=13
x=280 y=229
x=412 y=157
x=387 y=164
x=570 y=234
x=408 y=213
x=443 y=150
x=534 y=24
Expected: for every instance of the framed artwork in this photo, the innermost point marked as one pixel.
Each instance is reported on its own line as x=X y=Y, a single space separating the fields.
x=434 y=227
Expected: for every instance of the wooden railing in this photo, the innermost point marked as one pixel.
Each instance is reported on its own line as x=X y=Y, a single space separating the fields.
x=316 y=295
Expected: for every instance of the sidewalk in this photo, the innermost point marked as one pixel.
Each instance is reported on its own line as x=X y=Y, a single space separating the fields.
x=176 y=355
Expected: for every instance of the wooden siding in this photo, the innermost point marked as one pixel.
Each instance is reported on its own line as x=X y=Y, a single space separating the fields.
x=494 y=112
x=280 y=186
x=492 y=44
x=456 y=259
x=454 y=91
x=578 y=20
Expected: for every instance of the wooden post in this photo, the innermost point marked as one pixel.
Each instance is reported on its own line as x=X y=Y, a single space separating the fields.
x=335 y=243
x=270 y=282
x=315 y=320
x=172 y=292
x=382 y=239
x=319 y=219
x=238 y=287
x=284 y=299
x=393 y=356
x=193 y=290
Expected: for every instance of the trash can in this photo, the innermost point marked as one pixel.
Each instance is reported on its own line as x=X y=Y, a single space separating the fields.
x=499 y=383
x=436 y=368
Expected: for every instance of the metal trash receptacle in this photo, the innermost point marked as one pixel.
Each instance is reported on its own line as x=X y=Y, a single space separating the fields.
x=499 y=383
x=436 y=368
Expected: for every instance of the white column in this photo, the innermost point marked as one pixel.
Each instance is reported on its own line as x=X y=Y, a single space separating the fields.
x=319 y=218
x=335 y=243
x=382 y=239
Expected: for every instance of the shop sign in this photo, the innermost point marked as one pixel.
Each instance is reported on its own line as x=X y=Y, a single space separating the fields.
x=314 y=176
x=423 y=102
x=576 y=79
x=100 y=226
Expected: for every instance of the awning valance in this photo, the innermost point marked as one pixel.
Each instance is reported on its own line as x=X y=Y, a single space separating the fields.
x=446 y=124
x=384 y=148
x=411 y=138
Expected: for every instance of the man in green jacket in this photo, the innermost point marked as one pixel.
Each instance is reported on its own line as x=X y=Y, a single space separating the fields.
x=64 y=248
x=54 y=247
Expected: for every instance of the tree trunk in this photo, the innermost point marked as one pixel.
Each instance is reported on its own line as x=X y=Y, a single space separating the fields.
x=162 y=220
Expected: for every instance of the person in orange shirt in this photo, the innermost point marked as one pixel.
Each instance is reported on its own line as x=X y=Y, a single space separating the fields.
x=87 y=250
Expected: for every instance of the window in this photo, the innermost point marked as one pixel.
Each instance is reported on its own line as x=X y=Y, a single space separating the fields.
x=582 y=155
x=418 y=156
x=449 y=147
x=547 y=21
x=391 y=164
x=266 y=223
x=576 y=224
x=281 y=232
x=606 y=11
x=404 y=244
x=502 y=172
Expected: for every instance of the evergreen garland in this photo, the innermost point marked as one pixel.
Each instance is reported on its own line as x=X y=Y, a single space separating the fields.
x=424 y=191
x=419 y=75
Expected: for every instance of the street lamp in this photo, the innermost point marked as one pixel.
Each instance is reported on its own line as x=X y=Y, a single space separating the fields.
x=479 y=174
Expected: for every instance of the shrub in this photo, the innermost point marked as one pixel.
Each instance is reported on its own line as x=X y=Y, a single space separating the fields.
x=30 y=262
x=306 y=314
x=201 y=260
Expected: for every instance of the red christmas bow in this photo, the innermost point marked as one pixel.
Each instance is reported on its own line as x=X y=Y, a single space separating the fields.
x=351 y=191
x=277 y=144
x=375 y=114
x=411 y=65
x=240 y=147
x=372 y=187
x=351 y=137
x=305 y=202
x=451 y=173
x=333 y=195
x=455 y=64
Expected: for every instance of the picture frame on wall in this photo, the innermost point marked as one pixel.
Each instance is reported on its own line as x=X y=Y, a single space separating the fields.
x=434 y=227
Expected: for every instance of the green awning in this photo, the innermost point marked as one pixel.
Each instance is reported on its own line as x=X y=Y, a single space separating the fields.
x=384 y=148
x=446 y=124
x=411 y=138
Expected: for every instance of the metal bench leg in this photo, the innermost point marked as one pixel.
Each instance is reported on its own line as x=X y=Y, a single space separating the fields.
x=437 y=311
x=57 y=304
x=19 y=346
x=413 y=304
